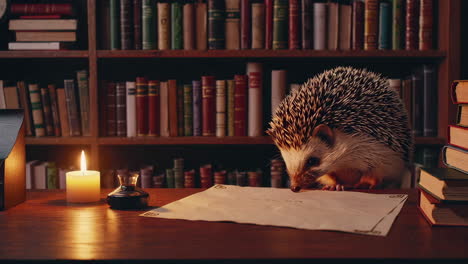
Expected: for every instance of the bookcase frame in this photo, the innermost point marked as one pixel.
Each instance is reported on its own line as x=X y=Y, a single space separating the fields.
x=447 y=56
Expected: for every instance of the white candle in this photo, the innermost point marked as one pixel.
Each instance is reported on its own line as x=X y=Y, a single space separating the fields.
x=83 y=186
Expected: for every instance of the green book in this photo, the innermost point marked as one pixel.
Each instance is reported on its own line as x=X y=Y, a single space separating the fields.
x=177 y=41
x=230 y=107
x=149 y=24
x=180 y=110
x=115 y=24
x=52 y=176
x=188 y=113
x=36 y=109
x=385 y=16
x=280 y=24
x=83 y=90
x=170 y=181
x=398 y=23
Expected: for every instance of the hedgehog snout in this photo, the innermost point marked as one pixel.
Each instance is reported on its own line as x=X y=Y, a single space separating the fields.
x=295 y=188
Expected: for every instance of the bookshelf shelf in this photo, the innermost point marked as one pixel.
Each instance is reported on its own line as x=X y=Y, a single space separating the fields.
x=378 y=54
x=59 y=140
x=43 y=54
x=108 y=141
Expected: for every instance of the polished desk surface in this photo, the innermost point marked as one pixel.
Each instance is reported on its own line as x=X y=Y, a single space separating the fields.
x=46 y=228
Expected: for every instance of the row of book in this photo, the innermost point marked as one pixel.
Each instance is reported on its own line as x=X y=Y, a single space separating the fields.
x=268 y=24
x=48 y=110
x=42 y=26
x=443 y=196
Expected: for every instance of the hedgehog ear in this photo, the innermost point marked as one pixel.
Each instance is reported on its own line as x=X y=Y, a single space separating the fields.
x=324 y=133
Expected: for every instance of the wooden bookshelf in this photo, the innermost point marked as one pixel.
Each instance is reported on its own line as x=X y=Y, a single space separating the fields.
x=59 y=140
x=12 y=54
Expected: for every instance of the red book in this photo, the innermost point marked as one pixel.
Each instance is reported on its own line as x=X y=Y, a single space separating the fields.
x=411 y=31
x=268 y=24
x=142 y=106
x=111 y=110
x=137 y=34
x=240 y=102
x=154 y=108
x=206 y=178
x=294 y=41
x=357 y=35
x=40 y=17
x=208 y=106
x=425 y=25
x=245 y=24
x=173 y=125
x=41 y=9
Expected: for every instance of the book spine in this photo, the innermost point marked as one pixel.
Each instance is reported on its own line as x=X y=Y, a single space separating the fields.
x=278 y=88
x=36 y=109
x=220 y=108
x=48 y=120
x=206 y=176
x=411 y=30
x=280 y=24
x=189 y=179
x=417 y=104
x=370 y=24
x=398 y=24
x=115 y=24
x=245 y=24
x=164 y=26
x=216 y=27
x=148 y=25
x=26 y=105
x=188 y=110
x=83 y=89
x=306 y=21
x=55 y=109
x=137 y=16
x=385 y=16
x=240 y=105
x=111 y=110
x=197 y=108
x=357 y=41
x=164 y=124
x=65 y=9
x=154 y=108
x=189 y=26
x=62 y=105
x=258 y=26
x=426 y=22
x=294 y=38
x=179 y=173
x=172 y=92
x=146 y=176
x=429 y=101
x=255 y=75
x=230 y=107
x=201 y=27
x=126 y=30
x=121 y=111
x=232 y=24
x=170 y=181
x=142 y=106
x=131 y=110
x=268 y=24
x=220 y=177
x=345 y=27
x=333 y=26
x=320 y=25
x=72 y=106
x=208 y=106
x=176 y=26
x=180 y=110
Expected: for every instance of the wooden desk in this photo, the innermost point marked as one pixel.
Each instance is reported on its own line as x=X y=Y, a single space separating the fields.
x=46 y=228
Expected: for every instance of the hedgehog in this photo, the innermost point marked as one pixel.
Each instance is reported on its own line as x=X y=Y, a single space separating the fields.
x=343 y=129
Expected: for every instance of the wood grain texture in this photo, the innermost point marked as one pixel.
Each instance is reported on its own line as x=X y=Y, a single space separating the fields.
x=46 y=228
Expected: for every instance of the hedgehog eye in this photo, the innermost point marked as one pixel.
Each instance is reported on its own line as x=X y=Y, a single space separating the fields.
x=313 y=162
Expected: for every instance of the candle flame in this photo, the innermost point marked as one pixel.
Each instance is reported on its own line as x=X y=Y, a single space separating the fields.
x=83 y=162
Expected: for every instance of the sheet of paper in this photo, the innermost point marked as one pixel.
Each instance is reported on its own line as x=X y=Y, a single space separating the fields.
x=354 y=212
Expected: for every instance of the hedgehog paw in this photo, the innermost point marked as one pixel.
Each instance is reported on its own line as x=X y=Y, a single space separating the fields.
x=336 y=187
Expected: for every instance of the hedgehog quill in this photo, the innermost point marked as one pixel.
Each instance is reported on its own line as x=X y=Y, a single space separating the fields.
x=343 y=129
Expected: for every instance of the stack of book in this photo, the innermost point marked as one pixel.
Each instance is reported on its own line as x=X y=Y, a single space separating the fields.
x=42 y=26
x=268 y=24
x=444 y=191
x=48 y=109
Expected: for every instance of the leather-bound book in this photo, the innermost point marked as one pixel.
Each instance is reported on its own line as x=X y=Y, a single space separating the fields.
x=83 y=92
x=320 y=26
x=72 y=107
x=137 y=24
x=176 y=26
x=246 y=25
x=412 y=24
x=34 y=9
x=280 y=24
x=385 y=25
x=121 y=109
x=201 y=26
x=131 y=109
x=240 y=105
x=345 y=25
x=54 y=108
x=216 y=24
x=220 y=108
x=62 y=106
x=149 y=25
x=172 y=102
x=115 y=24
x=255 y=107
x=103 y=26
x=189 y=26
x=258 y=26
x=398 y=24
x=164 y=26
x=294 y=37
x=126 y=21
x=180 y=110
x=269 y=24
x=153 y=108
x=208 y=106
x=306 y=24
x=164 y=102
x=278 y=88
x=230 y=85
x=48 y=121
x=232 y=24
x=426 y=22
x=357 y=35
x=197 y=108
x=333 y=31
x=371 y=24
x=188 y=110
x=142 y=106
